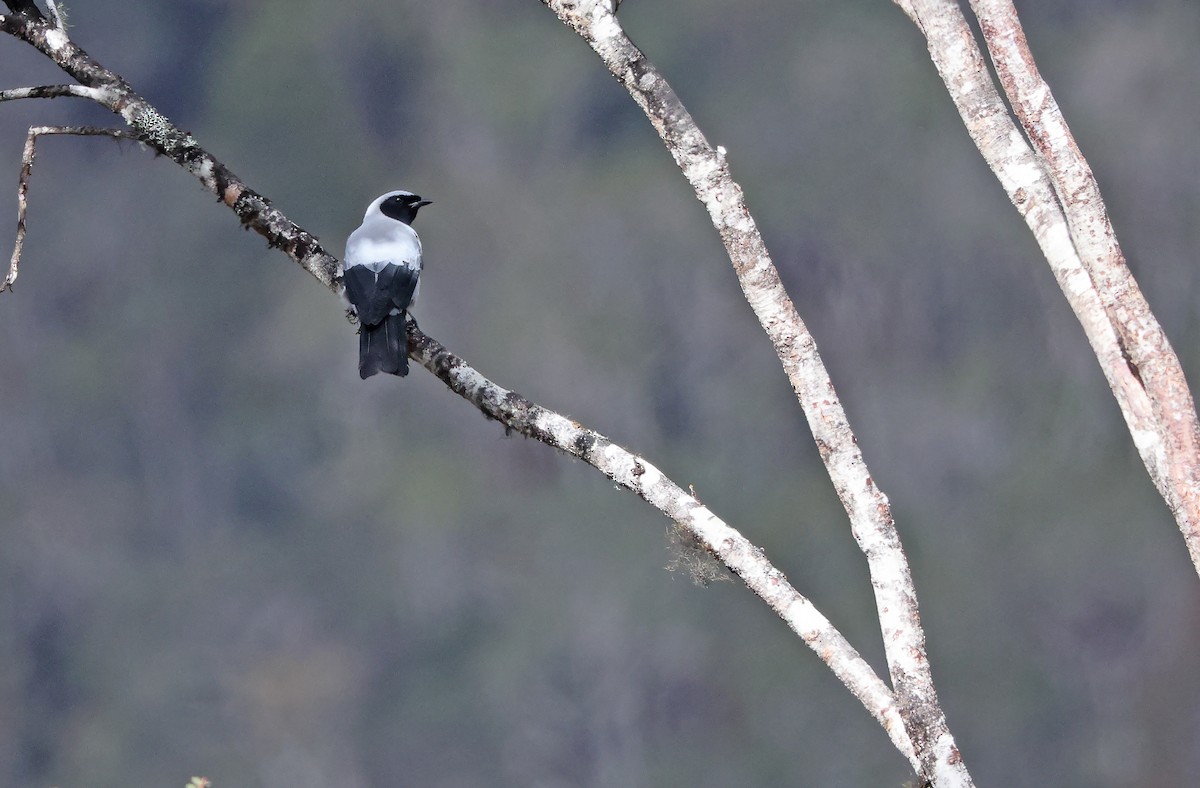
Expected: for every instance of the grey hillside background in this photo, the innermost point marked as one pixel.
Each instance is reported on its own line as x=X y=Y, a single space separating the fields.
x=222 y=553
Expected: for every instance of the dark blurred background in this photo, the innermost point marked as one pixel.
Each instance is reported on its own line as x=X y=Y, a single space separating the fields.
x=222 y=553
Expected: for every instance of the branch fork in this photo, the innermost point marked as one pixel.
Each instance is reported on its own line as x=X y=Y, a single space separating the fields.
x=706 y=167
x=1049 y=183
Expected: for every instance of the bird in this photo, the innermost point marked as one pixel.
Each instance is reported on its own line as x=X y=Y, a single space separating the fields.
x=382 y=278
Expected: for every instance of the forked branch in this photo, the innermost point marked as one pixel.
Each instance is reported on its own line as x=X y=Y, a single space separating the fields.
x=151 y=127
x=27 y=157
x=512 y=410
x=715 y=536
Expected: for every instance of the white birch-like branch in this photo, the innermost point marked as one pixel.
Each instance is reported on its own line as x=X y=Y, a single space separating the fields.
x=1175 y=447
x=51 y=91
x=714 y=535
x=56 y=16
x=1056 y=193
x=511 y=409
x=870 y=514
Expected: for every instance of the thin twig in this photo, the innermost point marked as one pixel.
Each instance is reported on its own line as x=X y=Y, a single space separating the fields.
x=27 y=157
x=872 y=525
x=52 y=91
x=56 y=17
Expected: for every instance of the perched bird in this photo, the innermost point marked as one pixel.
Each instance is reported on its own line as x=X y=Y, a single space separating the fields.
x=382 y=278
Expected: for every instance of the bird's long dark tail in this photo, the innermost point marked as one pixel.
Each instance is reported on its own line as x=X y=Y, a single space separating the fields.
x=383 y=347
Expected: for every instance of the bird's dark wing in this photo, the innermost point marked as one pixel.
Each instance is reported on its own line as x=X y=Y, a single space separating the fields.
x=369 y=292
x=362 y=292
x=402 y=285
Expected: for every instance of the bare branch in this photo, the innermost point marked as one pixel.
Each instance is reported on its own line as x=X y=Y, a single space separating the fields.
x=1135 y=356
x=56 y=17
x=512 y=410
x=1172 y=451
x=651 y=485
x=23 y=184
x=52 y=91
x=870 y=514
x=509 y=408
x=155 y=130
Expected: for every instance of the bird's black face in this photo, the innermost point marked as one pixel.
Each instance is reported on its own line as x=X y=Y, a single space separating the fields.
x=402 y=207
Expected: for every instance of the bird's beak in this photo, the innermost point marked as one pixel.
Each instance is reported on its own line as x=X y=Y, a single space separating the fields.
x=420 y=203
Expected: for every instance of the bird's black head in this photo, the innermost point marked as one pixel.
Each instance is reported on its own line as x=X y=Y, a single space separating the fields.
x=402 y=206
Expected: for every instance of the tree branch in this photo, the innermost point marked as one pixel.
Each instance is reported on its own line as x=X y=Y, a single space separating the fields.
x=511 y=409
x=1174 y=449
x=1055 y=192
x=647 y=482
x=155 y=130
x=870 y=514
x=51 y=91
x=55 y=15
x=23 y=184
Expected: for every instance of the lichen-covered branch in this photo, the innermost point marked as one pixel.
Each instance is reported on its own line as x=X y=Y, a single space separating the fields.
x=707 y=170
x=111 y=91
x=715 y=536
x=1056 y=193
x=509 y=408
x=51 y=91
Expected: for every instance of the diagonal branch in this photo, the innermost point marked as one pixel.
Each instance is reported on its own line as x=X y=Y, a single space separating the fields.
x=715 y=536
x=51 y=91
x=511 y=409
x=1173 y=452
x=1055 y=192
x=870 y=513
x=155 y=130
x=27 y=157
